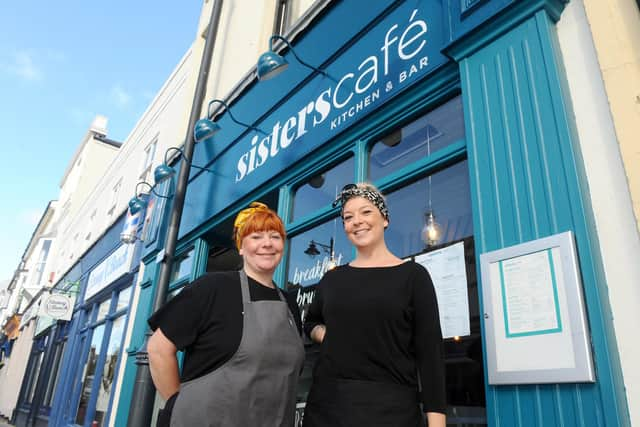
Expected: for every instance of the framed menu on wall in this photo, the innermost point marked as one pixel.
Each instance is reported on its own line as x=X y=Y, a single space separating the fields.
x=535 y=320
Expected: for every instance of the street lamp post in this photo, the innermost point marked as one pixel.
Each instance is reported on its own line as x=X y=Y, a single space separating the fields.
x=142 y=399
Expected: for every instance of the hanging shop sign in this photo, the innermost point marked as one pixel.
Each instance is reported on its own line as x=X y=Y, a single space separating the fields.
x=113 y=267
x=57 y=306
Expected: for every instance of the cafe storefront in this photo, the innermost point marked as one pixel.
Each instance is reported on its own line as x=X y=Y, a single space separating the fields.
x=458 y=112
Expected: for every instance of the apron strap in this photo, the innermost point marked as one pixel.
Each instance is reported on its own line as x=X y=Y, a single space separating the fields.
x=244 y=286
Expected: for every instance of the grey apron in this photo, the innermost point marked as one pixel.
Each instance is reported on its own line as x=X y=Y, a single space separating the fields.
x=257 y=386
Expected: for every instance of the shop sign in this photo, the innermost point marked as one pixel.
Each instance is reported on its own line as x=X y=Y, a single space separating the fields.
x=57 y=306
x=12 y=327
x=116 y=265
x=391 y=57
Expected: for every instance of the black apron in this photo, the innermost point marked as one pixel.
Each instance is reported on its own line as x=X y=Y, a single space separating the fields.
x=354 y=403
x=257 y=386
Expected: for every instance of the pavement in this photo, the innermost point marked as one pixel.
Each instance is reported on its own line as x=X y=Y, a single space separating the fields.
x=5 y=423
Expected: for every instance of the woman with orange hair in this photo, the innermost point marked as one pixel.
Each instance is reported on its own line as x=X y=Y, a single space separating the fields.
x=241 y=339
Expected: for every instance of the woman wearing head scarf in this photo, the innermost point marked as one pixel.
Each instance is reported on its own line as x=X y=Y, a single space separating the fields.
x=241 y=339
x=377 y=321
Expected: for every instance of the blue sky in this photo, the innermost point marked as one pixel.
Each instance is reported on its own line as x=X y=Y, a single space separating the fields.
x=61 y=63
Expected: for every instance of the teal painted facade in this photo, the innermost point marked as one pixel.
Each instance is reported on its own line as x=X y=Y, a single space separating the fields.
x=502 y=57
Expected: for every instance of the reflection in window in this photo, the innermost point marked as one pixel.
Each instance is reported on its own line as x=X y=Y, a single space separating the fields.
x=422 y=137
x=450 y=204
x=86 y=318
x=322 y=189
x=310 y=253
x=103 y=309
x=54 y=377
x=182 y=266
x=89 y=373
x=123 y=298
x=35 y=372
x=108 y=372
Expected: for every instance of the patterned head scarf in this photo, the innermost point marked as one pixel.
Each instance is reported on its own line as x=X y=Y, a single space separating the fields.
x=369 y=192
x=242 y=218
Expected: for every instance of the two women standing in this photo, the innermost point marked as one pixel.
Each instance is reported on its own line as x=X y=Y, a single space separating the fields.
x=376 y=318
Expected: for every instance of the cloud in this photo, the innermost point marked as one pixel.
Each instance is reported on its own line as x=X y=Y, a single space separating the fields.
x=24 y=67
x=120 y=97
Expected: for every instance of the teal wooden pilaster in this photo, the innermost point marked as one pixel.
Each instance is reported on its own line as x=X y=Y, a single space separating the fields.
x=527 y=182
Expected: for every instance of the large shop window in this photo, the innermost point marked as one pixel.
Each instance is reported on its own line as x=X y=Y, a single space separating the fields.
x=105 y=334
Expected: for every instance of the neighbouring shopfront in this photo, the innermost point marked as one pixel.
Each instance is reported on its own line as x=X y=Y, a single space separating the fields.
x=95 y=334
x=458 y=112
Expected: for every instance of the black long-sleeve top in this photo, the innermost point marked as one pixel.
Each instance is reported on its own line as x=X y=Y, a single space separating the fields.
x=382 y=324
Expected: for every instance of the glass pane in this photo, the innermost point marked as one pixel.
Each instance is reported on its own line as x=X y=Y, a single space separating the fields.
x=53 y=378
x=465 y=371
x=109 y=371
x=86 y=318
x=103 y=309
x=450 y=205
x=322 y=189
x=88 y=373
x=69 y=398
x=430 y=133
x=182 y=266
x=310 y=253
x=123 y=298
x=35 y=372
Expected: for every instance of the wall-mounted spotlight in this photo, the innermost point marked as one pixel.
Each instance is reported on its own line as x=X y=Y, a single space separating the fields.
x=270 y=64
x=164 y=171
x=204 y=129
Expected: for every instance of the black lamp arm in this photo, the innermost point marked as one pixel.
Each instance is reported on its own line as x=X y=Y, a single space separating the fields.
x=151 y=187
x=293 y=52
x=226 y=107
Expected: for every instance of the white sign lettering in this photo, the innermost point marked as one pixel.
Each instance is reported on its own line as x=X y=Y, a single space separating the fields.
x=336 y=101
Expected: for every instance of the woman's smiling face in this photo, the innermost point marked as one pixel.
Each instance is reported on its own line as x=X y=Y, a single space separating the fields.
x=363 y=222
x=262 y=251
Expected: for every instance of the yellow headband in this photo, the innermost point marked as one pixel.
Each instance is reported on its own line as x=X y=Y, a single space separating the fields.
x=243 y=216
